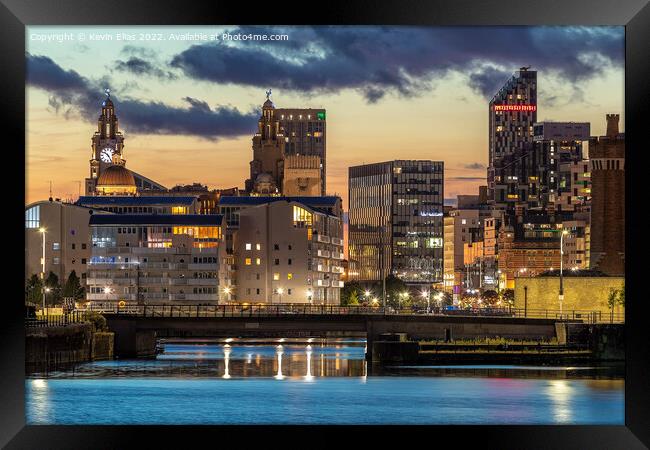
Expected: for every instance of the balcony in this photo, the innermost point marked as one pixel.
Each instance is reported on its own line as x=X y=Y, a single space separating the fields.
x=322 y=238
x=337 y=241
x=203 y=266
x=202 y=281
x=337 y=255
x=113 y=296
x=322 y=283
x=177 y=281
x=337 y=269
x=322 y=268
x=323 y=253
x=337 y=283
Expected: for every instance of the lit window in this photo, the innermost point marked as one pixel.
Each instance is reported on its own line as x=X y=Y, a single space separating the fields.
x=56 y=246
x=258 y=261
x=258 y=246
x=249 y=246
x=276 y=276
x=32 y=217
x=248 y=261
x=289 y=276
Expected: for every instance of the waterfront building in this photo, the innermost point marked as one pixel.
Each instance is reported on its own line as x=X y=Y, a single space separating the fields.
x=528 y=248
x=607 y=160
x=512 y=113
x=107 y=152
x=288 y=252
x=304 y=131
x=149 y=259
x=396 y=220
x=288 y=144
x=67 y=238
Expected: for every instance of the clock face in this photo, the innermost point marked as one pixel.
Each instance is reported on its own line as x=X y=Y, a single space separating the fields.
x=106 y=155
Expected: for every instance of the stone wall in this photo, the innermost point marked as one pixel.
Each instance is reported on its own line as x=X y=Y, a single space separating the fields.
x=580 y=293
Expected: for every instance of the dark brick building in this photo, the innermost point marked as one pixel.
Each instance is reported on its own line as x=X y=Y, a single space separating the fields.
x=607 y=160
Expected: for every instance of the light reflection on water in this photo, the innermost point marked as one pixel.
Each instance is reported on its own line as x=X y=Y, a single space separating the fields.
x=318 y=382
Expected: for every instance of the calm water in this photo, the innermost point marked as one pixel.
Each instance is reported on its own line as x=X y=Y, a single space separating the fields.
x=320 y=382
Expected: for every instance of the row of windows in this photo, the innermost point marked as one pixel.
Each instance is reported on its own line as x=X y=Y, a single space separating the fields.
x=249 y=246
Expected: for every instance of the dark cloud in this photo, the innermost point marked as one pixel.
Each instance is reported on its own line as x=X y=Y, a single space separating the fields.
x=401 y=60
x=70 y=92
x=474 y=166
x=139 y=66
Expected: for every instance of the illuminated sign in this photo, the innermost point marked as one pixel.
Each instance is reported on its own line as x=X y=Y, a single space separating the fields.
x=515 y=107
x=320 y=115
x=430 y=214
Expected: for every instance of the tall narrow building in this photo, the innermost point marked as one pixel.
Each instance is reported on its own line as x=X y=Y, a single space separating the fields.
x=396 y=220
x=512 y=113
x=607 y=160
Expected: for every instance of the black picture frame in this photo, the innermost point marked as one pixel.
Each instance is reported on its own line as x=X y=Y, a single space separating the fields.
x=633 y=14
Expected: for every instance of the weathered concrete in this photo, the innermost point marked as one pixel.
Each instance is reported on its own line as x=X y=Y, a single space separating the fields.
x=395 y=351
x=102 y=346
x=606 y=341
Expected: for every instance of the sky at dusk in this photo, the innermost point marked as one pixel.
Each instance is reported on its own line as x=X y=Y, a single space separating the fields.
x=189 y=108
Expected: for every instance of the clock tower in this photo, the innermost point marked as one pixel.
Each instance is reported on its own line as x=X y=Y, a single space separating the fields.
x=107 y=142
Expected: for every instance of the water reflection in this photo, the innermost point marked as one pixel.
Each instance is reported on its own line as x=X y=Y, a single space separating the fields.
x=279 y=352
x=309 y=376
x=226 y=360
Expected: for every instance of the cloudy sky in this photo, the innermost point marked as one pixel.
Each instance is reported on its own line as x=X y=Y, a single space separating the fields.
x=188 y=108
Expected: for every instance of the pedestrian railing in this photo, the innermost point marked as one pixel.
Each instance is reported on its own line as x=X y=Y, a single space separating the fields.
x=266 y=310
x=59 y=320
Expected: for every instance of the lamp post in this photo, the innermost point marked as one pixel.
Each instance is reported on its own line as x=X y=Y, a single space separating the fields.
x=425 y=294
x=280 y=292
x=561 y=293
x=227 y=290
x=44 y=291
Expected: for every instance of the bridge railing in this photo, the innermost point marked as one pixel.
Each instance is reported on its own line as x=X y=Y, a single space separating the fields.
x=266 y=310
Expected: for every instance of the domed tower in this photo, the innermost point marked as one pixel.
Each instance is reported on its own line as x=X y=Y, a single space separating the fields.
x=268 y=149
x=116 y=179
x=106 y=142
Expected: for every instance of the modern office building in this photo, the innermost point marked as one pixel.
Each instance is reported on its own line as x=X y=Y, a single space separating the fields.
x=107 y=151
x=288 y=252
x=156 y=259
x=67 y=238
x=396 y=220
x=607 y=159
x=512 y=113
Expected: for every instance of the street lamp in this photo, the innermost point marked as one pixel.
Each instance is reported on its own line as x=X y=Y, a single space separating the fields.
x=227 y=290
x=280 y=292
x=44 y=291
x=310 y=295
x=561 y=293
x=425 y=294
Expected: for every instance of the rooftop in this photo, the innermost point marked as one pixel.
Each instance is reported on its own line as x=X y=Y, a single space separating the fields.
x=157 y=219
x=309 y=201
x=133 y=201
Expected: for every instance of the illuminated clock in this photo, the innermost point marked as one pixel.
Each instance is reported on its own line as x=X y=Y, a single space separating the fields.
x=106 y=155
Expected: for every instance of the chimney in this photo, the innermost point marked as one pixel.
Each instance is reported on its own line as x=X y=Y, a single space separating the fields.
x=612 y=125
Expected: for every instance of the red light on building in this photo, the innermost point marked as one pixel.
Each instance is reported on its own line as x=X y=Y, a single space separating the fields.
x=515 y=107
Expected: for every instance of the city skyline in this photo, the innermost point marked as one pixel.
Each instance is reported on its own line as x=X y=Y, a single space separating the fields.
x=171 y=105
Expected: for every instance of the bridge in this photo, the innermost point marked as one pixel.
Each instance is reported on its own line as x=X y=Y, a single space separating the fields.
x=137 y=328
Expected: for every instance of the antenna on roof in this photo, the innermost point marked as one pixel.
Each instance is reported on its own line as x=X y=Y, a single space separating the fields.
x=50 y=190
x=524 y=68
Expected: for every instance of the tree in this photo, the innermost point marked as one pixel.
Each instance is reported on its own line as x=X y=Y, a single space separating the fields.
x=490 y=297
x=34 y=290
x=394 y=287
x=52 y=297
x=354 y=299
x=73 y=287
x=508 y=297
x=616 y=297
x=352 y=287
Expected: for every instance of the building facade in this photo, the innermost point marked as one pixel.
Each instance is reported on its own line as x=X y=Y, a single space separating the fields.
x=607 y=160
x=148 y=259
x=396 y=220
x=66 y=230
x=512 y=113
x=288 y=252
